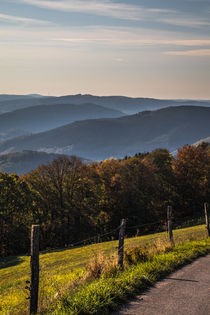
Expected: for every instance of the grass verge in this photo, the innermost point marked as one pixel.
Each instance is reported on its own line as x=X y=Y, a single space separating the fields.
x=107 y=293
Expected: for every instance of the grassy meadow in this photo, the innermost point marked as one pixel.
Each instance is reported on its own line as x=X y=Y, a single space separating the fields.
x=66 y=289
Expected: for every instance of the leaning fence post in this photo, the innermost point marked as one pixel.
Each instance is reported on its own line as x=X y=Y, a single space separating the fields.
x=121 y=243
x=207 y=218
x=170 y=231
x=34 y=287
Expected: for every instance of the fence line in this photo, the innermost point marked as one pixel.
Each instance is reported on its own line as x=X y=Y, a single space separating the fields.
x=94 y=237
x=143 y=225
x=34 y=284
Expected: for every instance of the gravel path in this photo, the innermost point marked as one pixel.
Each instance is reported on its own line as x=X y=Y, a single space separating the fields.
x=185 y=292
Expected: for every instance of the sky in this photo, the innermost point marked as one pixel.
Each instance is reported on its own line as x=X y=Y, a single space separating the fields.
x=137 y=48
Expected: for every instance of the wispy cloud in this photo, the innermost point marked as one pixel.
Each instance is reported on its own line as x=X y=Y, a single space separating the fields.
x=103 y=8
x=101 y=35
x=127 y=36
x=119 y=59
x=184 y=42
x=198 y=53
x=185 y=21
x=12 y=18
x=121 y=10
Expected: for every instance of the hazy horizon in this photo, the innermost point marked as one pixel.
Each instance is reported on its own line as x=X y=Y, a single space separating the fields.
x=110 y=95
x=148 y=48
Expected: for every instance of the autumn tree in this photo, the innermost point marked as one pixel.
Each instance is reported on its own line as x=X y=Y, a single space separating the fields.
x=192 y=172
x=62 y=192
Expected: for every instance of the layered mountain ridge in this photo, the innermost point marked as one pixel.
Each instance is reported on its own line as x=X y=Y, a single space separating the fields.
x=98 y=139
x=44 y=117
x=127 y=105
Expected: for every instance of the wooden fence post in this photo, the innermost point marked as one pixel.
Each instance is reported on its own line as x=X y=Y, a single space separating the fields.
x=207 y=218
x=121 y=243
x=170 y=231
x=34 y=287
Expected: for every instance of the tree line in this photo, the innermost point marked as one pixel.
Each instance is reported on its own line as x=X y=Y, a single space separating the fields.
x=72 y=201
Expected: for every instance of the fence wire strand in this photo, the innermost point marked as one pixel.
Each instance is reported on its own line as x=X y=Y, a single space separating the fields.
x=143 y=225
x=94 y=237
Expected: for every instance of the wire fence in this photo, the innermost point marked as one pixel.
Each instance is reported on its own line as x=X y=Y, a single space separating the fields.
x=137 y=230
x=79 y=254
x=94 y=239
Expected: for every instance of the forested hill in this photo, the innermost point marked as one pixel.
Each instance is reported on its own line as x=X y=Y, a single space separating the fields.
x=102 y=138
x=23 y=162
x=41 y=118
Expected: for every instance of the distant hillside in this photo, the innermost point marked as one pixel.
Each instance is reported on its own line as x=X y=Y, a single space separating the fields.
x=11 y=102
x=102 y=138
x=11 y=97
x=24 y=162
x=127 y=105
x=202 y=140
x=207 y=140
x=41 y=118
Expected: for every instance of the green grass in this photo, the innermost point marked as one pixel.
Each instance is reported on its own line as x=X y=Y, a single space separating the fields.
x=62 y=290
x=105 y=295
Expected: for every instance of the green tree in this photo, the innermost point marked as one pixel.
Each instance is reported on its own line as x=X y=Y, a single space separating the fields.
x=192 y=172
x=15 y=219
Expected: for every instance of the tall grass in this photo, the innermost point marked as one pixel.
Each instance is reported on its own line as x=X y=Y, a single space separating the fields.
x=104 y=295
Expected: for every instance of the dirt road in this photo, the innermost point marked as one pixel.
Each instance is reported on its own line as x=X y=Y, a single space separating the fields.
x=185 y=292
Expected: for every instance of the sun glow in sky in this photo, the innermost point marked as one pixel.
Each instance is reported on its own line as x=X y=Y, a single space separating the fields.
x=148 y=48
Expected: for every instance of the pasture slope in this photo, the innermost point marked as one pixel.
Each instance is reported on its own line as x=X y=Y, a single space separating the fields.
x=65 y=287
